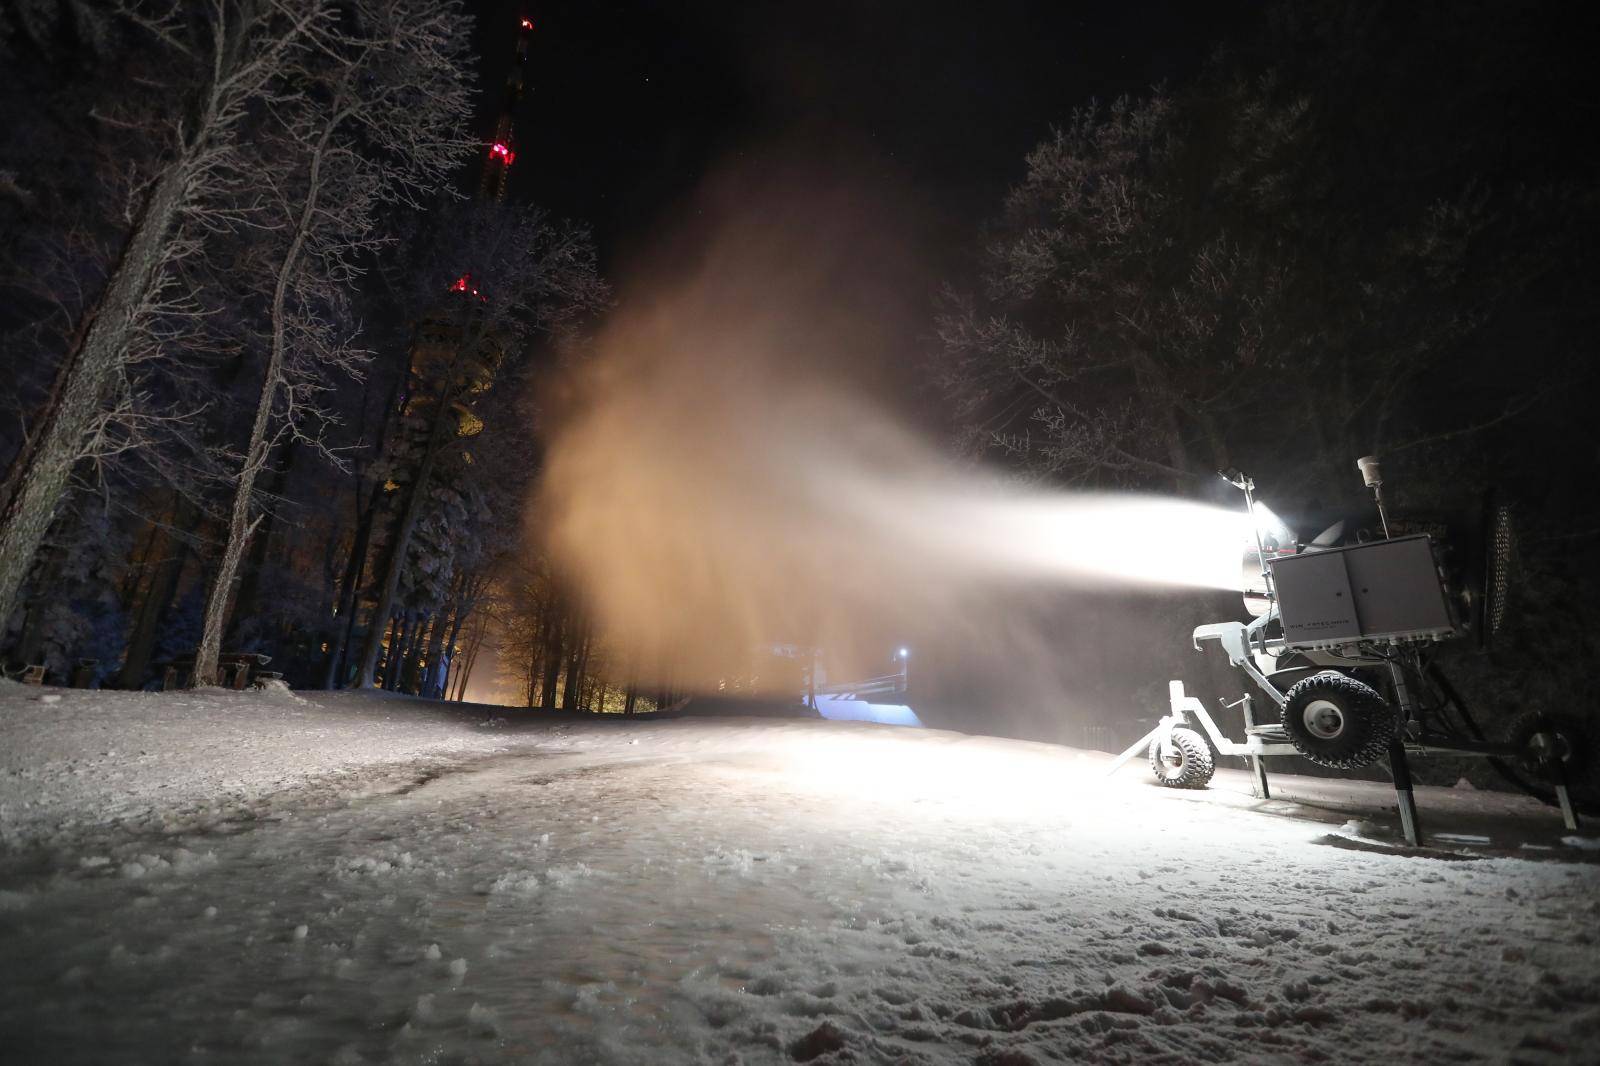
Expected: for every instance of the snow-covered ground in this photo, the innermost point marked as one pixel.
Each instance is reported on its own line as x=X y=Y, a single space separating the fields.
x=73 y=760
x=349 y=879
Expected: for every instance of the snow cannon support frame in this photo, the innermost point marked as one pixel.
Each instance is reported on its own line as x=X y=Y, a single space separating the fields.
x=1344 y=647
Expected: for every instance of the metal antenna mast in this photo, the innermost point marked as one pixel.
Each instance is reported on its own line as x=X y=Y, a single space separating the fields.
x=502 y=149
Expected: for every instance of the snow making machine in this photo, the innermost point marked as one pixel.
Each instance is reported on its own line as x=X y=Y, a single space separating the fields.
x=1343 y=644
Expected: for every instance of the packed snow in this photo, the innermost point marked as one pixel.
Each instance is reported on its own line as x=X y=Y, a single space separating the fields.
x=345 y=879
x=163 y=761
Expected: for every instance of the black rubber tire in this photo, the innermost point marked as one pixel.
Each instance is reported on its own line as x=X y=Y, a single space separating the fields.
x=1336 y=721
x=1188 y=763
x=1499 y=547
x=1571 y=739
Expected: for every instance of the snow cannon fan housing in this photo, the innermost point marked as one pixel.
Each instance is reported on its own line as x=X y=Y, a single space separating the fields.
x=1384 y=591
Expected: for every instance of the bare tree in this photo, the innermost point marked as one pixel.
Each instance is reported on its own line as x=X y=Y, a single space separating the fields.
x=376 y=118
x=233 y=51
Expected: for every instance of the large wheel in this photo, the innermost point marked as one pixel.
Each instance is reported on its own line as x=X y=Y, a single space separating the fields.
x=1184 y=761
x=1544 y=741
x=1337 y=721
x=1499 y=544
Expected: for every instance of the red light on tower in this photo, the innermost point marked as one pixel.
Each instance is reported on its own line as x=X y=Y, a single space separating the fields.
x=464 y=284
x=496 y=172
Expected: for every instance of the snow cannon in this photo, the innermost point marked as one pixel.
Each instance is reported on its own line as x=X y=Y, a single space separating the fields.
x=1343 y=643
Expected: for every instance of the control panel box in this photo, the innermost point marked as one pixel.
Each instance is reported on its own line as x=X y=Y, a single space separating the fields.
x=1384 y=590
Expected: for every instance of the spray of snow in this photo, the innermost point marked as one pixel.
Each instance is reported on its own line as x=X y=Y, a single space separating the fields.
x=724 y=478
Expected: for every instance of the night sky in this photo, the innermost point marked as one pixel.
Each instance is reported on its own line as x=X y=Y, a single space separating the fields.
x=631 y=104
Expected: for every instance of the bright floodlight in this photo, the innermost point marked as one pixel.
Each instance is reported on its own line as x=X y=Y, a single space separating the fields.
x=1274 y=530
x=904 y=654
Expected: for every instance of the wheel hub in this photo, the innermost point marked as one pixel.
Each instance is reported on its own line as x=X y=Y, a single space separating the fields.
x=1324 y=719
x=1549 y=745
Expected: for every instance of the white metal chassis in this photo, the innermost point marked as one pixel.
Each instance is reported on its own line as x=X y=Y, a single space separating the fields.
x=1183 y=705
x=1238 y=640
x=1242 y=643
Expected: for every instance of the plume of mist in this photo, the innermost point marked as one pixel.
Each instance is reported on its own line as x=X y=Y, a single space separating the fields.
x=726 y=475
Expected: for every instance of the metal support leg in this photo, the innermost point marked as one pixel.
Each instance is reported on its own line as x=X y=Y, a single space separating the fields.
x=1569 y=815
x=1258 y=769
x=1551 y=762
x=1402 y=791
x=1258 y=765
x=1142 y=744
x=1558 y=777
x=1397 y=755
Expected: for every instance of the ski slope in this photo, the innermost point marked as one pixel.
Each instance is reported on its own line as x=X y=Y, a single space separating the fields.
x=220 y=877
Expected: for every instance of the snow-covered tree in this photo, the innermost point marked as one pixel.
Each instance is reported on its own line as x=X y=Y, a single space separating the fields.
x=1178 y=286
x=502 y=278
x=372 y=116
x=1124 y=297
x=224 y=58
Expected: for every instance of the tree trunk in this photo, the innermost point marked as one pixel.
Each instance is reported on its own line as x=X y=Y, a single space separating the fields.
x=29 y=647
x=157 y=598
x=248 y=602
x=86 y=378
x=345 y=616
x=400 y=544
x=391 y=631
x=345 y=619
x=411 y=678
x=583 y=668
x=407 y=652
x=448 y=647
x=466 y=659
x=536 y=645
x=430 y=655
x=240 y=525
x=452 y=644
x=472 y=660
x=458 y=666
x=394 y=563
x=394 y=659
x=139 y=567
x=441 y=625
x=552 y=663
x=571 y=687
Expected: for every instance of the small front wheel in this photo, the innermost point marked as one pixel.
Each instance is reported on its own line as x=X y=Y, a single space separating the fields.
x=1183 y=761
